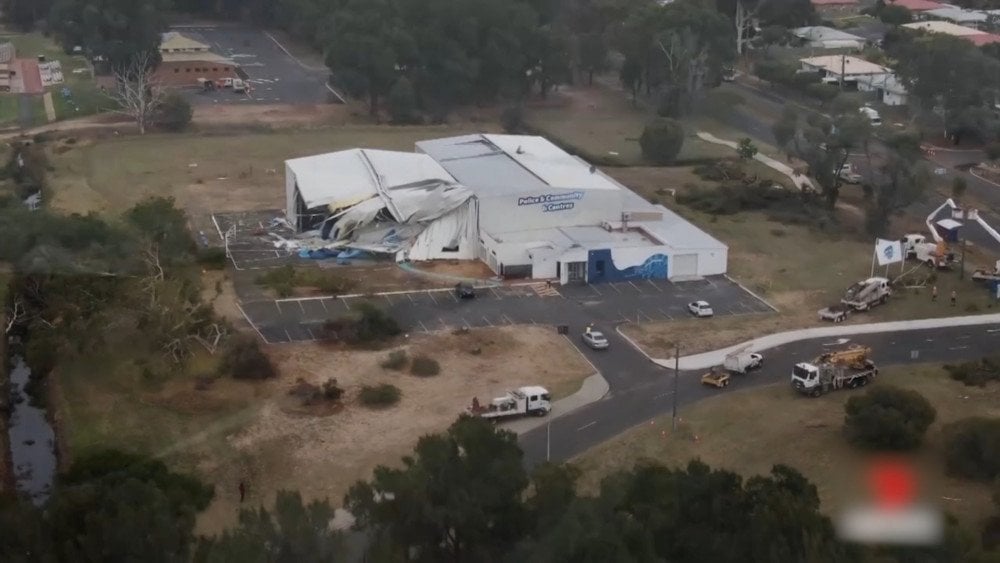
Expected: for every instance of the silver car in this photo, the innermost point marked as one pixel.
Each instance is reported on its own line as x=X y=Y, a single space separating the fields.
x=595 y=340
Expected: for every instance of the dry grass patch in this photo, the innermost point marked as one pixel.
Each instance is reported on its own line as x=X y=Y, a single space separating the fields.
x=750 y=431
x=283 y=447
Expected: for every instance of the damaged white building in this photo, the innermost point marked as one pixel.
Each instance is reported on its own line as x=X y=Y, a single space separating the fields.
x=520 y=204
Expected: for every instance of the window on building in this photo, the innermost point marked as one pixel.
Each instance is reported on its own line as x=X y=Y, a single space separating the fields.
x=225 y=68
x=215 y=69
x=187 y=70
x=450 y=248
x=176 y=70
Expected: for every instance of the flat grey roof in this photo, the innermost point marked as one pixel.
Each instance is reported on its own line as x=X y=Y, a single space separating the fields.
x=480 y=165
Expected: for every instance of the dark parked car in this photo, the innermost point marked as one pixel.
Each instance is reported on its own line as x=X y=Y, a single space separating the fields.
x=464 y=291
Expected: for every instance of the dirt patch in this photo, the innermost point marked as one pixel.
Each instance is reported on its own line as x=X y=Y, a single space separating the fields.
x=322 y=454
x=750 y=431
x=273 y=114
x=217 y=290
x=472 y=269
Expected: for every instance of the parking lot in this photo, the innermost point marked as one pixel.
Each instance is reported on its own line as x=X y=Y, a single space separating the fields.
x=300 y=319
x=275 y=76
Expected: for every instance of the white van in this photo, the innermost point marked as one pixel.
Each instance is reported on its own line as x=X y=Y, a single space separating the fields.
x=873 y=117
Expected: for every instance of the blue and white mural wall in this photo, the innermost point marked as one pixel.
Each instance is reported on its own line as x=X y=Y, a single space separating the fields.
x=623 y=264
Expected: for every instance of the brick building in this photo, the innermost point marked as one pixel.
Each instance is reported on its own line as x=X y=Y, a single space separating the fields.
x=185 y=60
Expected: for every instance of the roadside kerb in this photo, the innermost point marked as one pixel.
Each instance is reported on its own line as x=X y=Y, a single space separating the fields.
x=593 y=389
x=716 y=357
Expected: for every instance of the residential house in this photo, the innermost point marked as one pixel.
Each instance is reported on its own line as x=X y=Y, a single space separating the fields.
x=820 y=37
x=846 y=69
x=185 y=60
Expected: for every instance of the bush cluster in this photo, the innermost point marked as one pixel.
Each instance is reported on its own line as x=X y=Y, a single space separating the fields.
x=284 y=280
x=888 y=418
x=382 y=395
x=367 y=324
x=425 y=366
x=972 y=448
x=976 y=373
x=242 y=358
x=397 y=360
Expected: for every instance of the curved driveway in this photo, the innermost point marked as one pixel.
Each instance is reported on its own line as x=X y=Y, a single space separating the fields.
x=641 y=390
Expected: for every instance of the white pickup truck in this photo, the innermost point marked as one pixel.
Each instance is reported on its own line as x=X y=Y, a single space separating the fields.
x=848 y=174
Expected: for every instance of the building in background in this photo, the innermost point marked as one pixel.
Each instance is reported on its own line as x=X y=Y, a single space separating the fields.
x=520 y=204
x=8 y=66
x=846 y=69
x=820 y=37
x=185 y=60
x=975 y=36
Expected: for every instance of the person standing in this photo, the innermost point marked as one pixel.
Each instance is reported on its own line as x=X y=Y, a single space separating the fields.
x=953 y=297
x=934 y=293
x=243 y=491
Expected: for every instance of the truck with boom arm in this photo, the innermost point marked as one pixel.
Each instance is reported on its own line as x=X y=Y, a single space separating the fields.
x=532 y=400
x=847 y=368
x=867 y=294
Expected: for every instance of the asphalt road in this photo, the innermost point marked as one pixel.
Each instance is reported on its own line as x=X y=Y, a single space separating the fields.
x=642 y=390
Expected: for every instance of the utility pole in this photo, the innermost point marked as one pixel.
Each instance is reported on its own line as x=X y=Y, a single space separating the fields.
x=677 y=368
x=843 y=67
x=963 y=214
x=548 y=441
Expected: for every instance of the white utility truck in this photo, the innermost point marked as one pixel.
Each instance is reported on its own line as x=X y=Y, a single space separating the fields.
x=867 y=294
x=848 y=174
x=850 y=368
x=837 y=313
x=743 y=361
x=521 y=401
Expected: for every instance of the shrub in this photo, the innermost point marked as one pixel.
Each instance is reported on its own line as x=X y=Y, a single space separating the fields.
x=972 y=448
x=397 y=360
x=662 y=140
x=976 y=373
x=888 y=418
x=746 y=149
x=895 y=15
x=212 y=258
x=366 y=325
x=331 y=390
x=383 y=395
x=174 y=113
x=993 y=150
x=425 y=366
x=242 y=358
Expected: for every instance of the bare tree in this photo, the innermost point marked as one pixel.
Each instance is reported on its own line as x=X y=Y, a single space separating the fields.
x=136 y=91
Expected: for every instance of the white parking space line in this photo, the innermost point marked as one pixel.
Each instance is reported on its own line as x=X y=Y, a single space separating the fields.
x=387 y=299
x=497 y=295
x=423 y=326
x=506 y=318
x=615 y=288
x=664 y=313
x=432 y=297
x=411 y=298
x=658 y=288
x=585 y=426
x=645 y=315
x=346 y=304
x=301 y=307
x=311 y=335
x=440 y=320
x=466 y=323
x=323 y=303
x=290 y=339
x=453 y=297
x=597 y=291
x=487 y=321
x=280 y=312
x=635 y=286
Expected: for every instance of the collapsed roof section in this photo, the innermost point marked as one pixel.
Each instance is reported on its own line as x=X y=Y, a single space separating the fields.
x=380 y=200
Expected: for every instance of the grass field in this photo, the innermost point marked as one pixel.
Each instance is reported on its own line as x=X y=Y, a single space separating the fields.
x=207 y=173
x=85 y=97
x=749 y=431
x=605 y=125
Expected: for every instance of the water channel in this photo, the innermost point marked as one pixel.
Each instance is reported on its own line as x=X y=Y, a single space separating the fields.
x=32 y=440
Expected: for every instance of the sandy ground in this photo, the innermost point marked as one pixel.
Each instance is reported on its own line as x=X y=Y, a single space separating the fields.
x=323 y=454
x=276 y=114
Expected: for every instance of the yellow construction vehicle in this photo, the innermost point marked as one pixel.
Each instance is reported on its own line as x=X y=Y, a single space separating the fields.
x=854 y=357
x=717 y=377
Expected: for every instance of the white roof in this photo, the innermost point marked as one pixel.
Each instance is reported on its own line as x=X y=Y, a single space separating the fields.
x=344 y=178
x=947 y=28
x=949 y=224
x=834 y=64
x=957 y=15
x=821 y=33
x=554 y=166
x=887 y=82
x=533 y=390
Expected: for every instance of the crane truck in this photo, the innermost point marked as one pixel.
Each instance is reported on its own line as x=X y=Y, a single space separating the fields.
x=830 y=371
x=867 y=294
x=532 y=400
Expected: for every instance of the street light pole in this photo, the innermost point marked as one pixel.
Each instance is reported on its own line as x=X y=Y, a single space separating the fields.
x=965 y=216
x=677 y=367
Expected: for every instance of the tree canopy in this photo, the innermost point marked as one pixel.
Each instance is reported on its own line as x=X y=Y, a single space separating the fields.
x=113 y=29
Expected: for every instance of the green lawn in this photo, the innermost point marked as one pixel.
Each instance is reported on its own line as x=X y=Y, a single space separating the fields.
x=85 y=97
x=748 y=431
x=604 y=125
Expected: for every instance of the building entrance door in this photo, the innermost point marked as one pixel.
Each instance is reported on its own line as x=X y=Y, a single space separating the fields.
x=576 y=272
